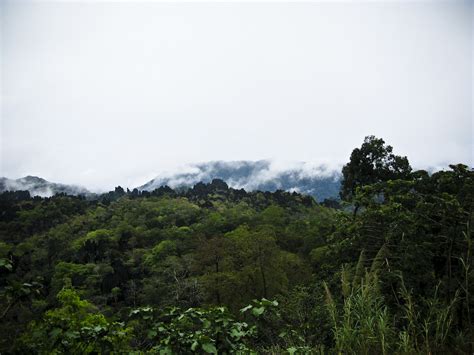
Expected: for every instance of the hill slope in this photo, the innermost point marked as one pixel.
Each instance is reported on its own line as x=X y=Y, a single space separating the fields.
x=40 y=187
x=317 y=181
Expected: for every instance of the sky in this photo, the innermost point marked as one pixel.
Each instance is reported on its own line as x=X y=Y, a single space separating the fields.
x=107 y=93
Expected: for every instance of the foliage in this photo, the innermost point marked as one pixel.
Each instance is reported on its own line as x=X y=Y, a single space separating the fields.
x=212 y=330
x=371 y=163
x=73 y=328
x=170 y=271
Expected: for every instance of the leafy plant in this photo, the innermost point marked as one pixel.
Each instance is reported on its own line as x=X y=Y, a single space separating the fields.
x=74 y=327
x=212 y=330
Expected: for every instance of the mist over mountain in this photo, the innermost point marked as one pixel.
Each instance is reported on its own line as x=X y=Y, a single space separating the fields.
x=318 y=181
x=40 y=187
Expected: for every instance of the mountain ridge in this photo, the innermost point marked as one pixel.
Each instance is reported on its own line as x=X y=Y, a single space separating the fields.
x=318 y=181
x=37 y=186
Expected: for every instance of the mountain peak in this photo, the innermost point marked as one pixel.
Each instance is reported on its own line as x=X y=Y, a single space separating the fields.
x=32 y=179
x=318 y=181
x=40 y=187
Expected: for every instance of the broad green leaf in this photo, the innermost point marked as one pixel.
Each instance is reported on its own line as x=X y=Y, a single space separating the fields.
x=209 y=348
x=257 y=311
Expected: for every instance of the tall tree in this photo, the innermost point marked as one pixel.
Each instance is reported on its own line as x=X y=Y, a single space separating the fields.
x=371 y=163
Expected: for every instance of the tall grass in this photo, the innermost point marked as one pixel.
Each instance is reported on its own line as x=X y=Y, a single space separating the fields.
x=363 y=324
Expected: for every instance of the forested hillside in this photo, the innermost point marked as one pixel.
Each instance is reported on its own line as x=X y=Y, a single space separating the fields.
x=219 y=270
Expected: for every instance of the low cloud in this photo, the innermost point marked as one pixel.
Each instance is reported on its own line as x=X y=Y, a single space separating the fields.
x=39 y=187
x=320 y=181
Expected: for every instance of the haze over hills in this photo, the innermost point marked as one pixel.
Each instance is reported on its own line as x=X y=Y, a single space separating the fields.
x=40 y=187
x=318 y=181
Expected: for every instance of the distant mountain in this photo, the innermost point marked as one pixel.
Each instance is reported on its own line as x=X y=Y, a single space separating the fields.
x=317 y=181
x=40 y=187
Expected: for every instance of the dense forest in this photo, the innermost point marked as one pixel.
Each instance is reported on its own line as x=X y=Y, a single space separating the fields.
x=386 y=269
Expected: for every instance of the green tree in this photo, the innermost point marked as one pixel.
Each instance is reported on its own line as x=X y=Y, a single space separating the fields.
x=371 y=163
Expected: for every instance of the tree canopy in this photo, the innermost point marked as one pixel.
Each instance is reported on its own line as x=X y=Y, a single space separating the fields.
x=373 y=162
x=213 y=269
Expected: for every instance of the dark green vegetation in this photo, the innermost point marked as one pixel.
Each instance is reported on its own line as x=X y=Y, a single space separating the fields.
x=218 y=270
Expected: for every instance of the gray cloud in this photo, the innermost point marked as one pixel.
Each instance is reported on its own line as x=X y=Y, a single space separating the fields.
x=108 y=93
x=265 y=175
x=40 y=187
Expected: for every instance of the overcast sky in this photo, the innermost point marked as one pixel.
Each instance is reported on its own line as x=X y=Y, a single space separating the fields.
x=104 y=93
